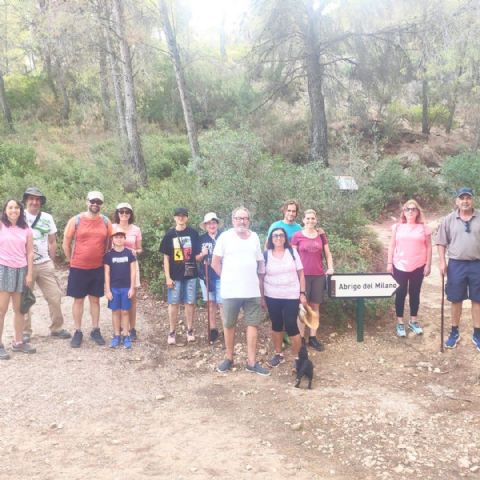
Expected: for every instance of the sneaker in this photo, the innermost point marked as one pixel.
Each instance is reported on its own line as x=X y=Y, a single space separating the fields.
x=476 y=342
x=453 y=339
x=415 y=328
x=96 y=336
x=127 y=342
x=172 y=338
x=3 y=353
x=23 y=348
x=276 y=360
x=63 y=334
x=316 y=344
x=115 y=341
x=225 y=366
x=133 y=335
x=26 y=338
x=213 y=335
x=286 y=339
x=76 y=340
x=190 y=336
x=401 y=330
x=258 y=369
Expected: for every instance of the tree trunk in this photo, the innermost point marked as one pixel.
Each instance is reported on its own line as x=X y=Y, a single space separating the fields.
x=425 y=120
x=7 y=114
x=180 y=78
x=104 y=91
x=63 y=90
x=47 y=56
x=136 y=151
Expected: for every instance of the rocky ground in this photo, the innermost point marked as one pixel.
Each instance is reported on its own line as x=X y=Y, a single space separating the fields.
x=386 y=408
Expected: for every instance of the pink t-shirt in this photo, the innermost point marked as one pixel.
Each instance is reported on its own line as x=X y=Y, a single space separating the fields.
x=133 y=233
x=410 y=251
x=13 y=246
x=281 y=277
x=311 y=252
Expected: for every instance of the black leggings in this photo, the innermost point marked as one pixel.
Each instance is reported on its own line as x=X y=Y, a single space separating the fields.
x=411 y=281
x=283 y=314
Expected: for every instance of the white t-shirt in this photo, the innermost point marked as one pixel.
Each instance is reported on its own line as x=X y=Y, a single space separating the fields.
x=281 y=277
x=239 y=277
x=43 y=228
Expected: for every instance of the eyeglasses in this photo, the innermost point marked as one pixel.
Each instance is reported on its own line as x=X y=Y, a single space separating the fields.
x=410 y=209
x=466 y=224
x=96 y=202
x=124 y=212
x=278 y=235
x=241 y=219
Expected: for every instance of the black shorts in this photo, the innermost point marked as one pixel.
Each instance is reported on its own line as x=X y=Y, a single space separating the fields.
x=283 y=314
x=85 y=282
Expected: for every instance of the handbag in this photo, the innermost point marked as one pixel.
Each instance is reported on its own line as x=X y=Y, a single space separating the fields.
x=27 y=300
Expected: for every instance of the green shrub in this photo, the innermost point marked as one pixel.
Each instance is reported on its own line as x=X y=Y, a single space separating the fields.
x=462 y=170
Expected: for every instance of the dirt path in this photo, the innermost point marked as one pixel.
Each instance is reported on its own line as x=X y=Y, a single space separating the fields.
x=383 y=409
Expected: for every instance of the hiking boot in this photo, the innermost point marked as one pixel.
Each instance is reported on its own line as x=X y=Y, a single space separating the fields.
x=476 y=341
x=415 y=328
x=63 y=334
x=316 y=344
x=127 y=342
x=258 y=369
x=23 y=348
x=276 y=360
x=453 y=339
x=213 y=335
x=76 y=340
x=115 y=341
x=401 y=330
x=172 y=338
x=190 y=336
x=96 y=336
x=225 y=366
x=133 y=335
x=26 y=338
x=3 y=353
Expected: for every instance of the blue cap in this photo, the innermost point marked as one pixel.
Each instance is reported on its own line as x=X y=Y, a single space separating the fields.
x=464 y=191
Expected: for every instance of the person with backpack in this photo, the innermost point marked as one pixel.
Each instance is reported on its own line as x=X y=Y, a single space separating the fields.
x=283 y=289
x=85 y=242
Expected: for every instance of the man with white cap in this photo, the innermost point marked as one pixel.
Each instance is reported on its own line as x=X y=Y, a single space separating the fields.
x=84 y=244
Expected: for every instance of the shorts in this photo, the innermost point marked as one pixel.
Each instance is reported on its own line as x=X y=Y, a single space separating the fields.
x=120 y=300
x=283 y=313
x=251 y=308
x=85 y=282
x=183 y=291
x=463 y=280
x=212 y=296
x=315 y=288
x=12 y=280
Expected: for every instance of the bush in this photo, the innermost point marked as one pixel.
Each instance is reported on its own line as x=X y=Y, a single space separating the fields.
x=462 y=170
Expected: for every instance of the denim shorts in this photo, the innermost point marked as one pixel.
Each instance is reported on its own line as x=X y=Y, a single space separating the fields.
x=120 y=300
x=463 y=280
x=212 y=296
x=183 y=291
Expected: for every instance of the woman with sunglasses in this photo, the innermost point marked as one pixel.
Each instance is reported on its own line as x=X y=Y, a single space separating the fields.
x=409 y=260
x=123 y=219
x=283 y=290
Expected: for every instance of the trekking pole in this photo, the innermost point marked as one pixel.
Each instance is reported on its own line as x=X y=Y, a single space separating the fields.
x=442 y=314
x=207 y=285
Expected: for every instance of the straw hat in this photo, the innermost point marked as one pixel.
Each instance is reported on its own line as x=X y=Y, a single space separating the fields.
x=309 y=316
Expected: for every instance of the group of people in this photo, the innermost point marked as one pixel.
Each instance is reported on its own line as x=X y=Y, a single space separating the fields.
x=102 y=258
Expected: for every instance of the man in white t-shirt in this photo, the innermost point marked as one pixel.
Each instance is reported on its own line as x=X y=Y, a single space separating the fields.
x=238 y=259
x=44 y=248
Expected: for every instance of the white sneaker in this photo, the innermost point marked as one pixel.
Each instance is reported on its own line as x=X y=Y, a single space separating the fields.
x=171 y=340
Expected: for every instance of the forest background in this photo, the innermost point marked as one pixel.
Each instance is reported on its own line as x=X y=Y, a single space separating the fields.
x=214 y=104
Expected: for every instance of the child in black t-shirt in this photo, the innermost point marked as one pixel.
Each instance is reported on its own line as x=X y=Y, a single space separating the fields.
x=119 y=286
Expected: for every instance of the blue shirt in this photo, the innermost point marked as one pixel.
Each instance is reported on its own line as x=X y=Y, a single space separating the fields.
x=290 y=228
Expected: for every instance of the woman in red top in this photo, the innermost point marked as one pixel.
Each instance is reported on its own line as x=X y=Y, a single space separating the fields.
x=311 y=243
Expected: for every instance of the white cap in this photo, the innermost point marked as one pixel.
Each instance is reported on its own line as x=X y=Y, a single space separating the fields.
x=95 y=196
x=124 y=205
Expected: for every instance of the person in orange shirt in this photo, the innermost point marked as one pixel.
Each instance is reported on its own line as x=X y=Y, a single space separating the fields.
x=85 y=242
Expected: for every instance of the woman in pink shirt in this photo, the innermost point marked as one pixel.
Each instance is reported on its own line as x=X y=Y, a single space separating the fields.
x=16 y=263
x=124 y=218
x=409 y=260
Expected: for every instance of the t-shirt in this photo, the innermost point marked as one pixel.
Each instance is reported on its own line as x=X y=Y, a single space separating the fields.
x=281 y=275
x=410 y=250
x=239 y=277
x=290 y=228
x=133 y=235
x=13 y=245
x=311 y=252
x=119 y=263
x=181 y=247
x=43 y=228
x=207 y=241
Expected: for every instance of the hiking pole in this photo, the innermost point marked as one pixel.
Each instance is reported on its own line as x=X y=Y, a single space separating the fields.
x=442 y=314
x=207 y=285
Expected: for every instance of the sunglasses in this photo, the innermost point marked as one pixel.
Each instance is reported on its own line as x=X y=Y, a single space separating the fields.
x=466 y=224
x=124 y=212
x=96 y=202
x=278 y=235
x=410 y=209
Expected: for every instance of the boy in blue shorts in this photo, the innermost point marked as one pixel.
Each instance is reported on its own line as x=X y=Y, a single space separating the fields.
x=119 y=286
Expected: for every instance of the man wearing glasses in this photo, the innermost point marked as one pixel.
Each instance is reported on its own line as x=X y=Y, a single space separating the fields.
x=85 y=242
x=238 y=260
x=459 y=232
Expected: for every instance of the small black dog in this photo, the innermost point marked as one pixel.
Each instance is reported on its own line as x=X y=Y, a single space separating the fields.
x=304 y=367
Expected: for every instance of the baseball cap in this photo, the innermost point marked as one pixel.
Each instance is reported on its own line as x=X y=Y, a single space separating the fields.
x=464 y=191
x=180 y=211
x=95 y=196
x=118 y=231
x=208 y=218
x=35 y=192
x=124 y=205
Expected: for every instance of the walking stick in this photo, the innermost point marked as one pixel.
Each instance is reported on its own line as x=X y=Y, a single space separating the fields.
x=442 y=316
x=207 y=285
